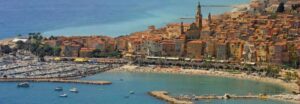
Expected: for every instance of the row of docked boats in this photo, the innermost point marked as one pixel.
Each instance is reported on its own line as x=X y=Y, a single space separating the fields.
x=58 y=89
x=74 y=90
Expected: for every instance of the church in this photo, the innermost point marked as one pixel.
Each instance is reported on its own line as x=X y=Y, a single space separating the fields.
x=194 y=32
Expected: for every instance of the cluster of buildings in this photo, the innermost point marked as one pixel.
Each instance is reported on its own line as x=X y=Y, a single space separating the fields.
x=256 y=35
x=249 y=36
x=82 y=46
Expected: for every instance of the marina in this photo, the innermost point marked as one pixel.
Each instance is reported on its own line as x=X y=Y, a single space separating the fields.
x=57 y=81
x=25 y=65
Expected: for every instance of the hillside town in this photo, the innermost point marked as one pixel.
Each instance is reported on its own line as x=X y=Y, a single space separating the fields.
x=258 y=40
x=267 y=32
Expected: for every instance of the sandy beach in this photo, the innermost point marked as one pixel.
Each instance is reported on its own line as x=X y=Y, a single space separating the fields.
x=243 y=76
x=176 y=70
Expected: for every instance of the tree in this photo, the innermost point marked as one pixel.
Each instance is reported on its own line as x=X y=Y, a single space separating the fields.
x=280 y=8
x=56 y=51
x=52 y=37
x=272 y=71
x=288 y=76
x=20 y=45
x=293 y=55
x=96 y=53
x=6 y=49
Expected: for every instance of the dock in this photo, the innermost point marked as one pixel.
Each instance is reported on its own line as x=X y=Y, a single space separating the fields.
x=228 y=97
x=56 y=81
x=163 y=95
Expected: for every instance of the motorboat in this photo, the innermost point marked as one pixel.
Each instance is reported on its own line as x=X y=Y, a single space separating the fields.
x=58 y=89
x=23 y=84
x=63 y=95
x=73 y=90
x=131 y=92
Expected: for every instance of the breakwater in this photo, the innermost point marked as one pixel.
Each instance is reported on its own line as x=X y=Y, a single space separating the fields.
x=164 y=96
x=57 y=81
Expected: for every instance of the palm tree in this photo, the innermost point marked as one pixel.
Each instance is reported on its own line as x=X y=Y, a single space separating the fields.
x=293 y=55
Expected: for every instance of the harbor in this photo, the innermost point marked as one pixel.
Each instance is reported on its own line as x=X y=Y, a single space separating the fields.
x=25 y=65
x=58 y=81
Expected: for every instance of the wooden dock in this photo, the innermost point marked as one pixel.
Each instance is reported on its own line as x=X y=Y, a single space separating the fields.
x=164 y=96
x=56 y=81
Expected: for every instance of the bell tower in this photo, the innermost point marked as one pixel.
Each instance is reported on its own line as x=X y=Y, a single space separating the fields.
x=199 y=17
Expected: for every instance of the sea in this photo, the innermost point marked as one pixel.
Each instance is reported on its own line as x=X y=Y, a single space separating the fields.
x=139 y=83
x=98 y=17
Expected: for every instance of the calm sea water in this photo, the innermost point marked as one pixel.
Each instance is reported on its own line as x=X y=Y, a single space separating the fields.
x=99 y=17
x=141 y=83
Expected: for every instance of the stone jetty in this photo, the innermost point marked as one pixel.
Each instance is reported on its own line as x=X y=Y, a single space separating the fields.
x=57 y=81
x=164 y=96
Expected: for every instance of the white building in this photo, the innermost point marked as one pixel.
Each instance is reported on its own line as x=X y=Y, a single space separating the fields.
x=19 y=39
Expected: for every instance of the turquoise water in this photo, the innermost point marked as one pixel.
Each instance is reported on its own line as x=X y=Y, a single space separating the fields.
x=96 y=17
x=141 y=83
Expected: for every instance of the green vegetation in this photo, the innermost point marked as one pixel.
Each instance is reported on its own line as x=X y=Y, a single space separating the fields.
x=293 y=55
x=272 y=71
x=35 y=46
x=234 y=71
x=290 y=76
x=101 y=54
x=5 y=49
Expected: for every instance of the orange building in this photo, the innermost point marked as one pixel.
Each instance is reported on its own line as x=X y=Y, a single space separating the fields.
x=195 y=49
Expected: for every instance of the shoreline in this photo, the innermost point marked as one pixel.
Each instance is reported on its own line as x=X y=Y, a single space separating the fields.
x=243 y=76
x=176 y=70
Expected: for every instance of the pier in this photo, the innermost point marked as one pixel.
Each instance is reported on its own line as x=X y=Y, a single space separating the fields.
x=226 y=96
x=164 y=96
x=57 y=81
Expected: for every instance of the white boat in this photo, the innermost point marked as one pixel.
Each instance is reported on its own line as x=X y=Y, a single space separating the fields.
x=23 y=84
x=131 y=92
x=58 y=89
x=74 y=90
x=63 y=95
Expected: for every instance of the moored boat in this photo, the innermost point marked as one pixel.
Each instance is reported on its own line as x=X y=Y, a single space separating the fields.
x=58 y=89
x=23 y=84
x=63 y=95
x=131 y=92
x=74 y=90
